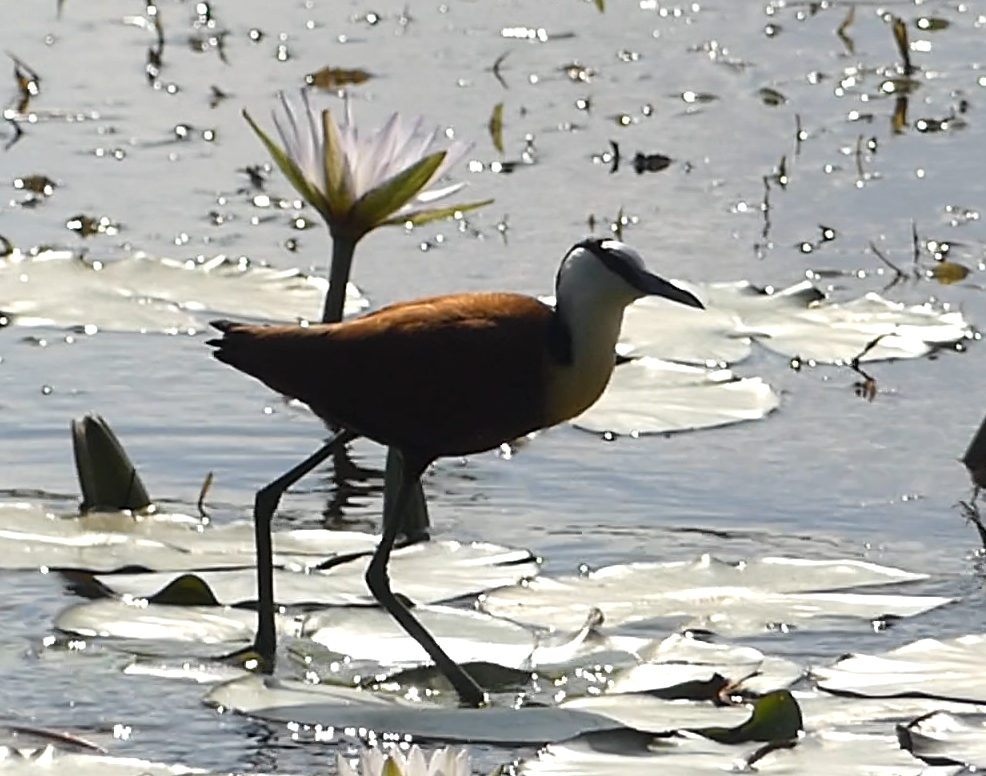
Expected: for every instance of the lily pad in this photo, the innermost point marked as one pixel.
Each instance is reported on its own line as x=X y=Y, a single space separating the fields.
x=928 y=668
x=681 y=660
x=54 y=762
x=466 y=636
x=293 y=701
x=139 y=293
x=798 y=321
x=941 y=738
x=428 y=572
x=650 y=396
x=632 y=753
x=823 y=710
x=653 y=715
x=32 y=537
x=741 y=598
x=117 y=619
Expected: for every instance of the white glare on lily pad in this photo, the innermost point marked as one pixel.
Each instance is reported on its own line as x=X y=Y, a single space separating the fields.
x=797 y=322
x=949 y=669
x=448 y=761
x=392 y=176
x=650 y=396
x=144 y=294
x=741 y=598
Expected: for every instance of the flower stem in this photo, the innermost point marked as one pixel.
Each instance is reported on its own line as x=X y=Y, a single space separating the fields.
x=343 y=249
x=414 y=522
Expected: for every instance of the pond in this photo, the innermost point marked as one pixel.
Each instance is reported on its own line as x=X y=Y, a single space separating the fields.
x=797 y=149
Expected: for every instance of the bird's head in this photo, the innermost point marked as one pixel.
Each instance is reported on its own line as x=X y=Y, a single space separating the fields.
x=611 y=273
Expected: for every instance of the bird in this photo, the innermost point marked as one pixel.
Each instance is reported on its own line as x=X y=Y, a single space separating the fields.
x=441 y=376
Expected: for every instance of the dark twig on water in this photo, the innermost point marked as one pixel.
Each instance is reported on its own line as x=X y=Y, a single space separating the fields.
x=18 y=133
x=899 y=274
x=799 y=134
x=915 y=244
x=843 y=29
x=761 y=248
x=858 y=156
x=867 y=387
x=203 y=493
x=903 y=46
x=496 y=69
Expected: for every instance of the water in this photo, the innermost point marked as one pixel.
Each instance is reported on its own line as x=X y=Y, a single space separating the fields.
x=829 y=475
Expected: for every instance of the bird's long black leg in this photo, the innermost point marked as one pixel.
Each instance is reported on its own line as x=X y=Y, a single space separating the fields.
x=266 y=501
x=378 y=580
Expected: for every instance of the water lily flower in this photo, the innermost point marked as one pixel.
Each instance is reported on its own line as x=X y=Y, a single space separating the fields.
x=391 y=177
x=449 y=761
x=358 y=184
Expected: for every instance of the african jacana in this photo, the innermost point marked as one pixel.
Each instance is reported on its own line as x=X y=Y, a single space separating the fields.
x=442 y=376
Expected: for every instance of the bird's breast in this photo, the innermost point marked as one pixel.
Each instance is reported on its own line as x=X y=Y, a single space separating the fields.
x=570 y=389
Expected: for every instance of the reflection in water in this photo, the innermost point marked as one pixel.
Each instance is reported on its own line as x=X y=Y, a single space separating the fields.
x=351 y=486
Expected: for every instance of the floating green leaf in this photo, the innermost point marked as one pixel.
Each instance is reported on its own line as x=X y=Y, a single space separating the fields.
x=333 y=78
x=426 y=216
x=771 y=97
x=949 y=272
x=496 y=127
x=291 y=171
x=776 y=717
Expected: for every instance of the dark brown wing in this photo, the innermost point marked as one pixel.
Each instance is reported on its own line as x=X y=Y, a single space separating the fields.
x=448 y=375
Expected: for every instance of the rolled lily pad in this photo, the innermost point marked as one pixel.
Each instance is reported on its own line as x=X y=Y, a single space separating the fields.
x=941 y=738
x=680 y=662
x=560 y=650
x=650 y=396
x=729 y=598
x=143 y=294
x=929 y=668
x=428 y=572
x=341 y=707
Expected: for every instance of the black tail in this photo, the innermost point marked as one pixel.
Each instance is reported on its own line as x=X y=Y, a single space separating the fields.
x=226 y=345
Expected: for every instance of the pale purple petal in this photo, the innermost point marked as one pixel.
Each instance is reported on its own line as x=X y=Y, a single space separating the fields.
x=414 y=152
x=455 y=153
x=404 y=146
x=316 y=136
x=375 y=157
x=406 y=152
x=301 y=145
x=289 y=135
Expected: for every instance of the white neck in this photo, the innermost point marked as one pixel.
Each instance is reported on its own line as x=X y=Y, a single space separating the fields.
x=591 y=300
